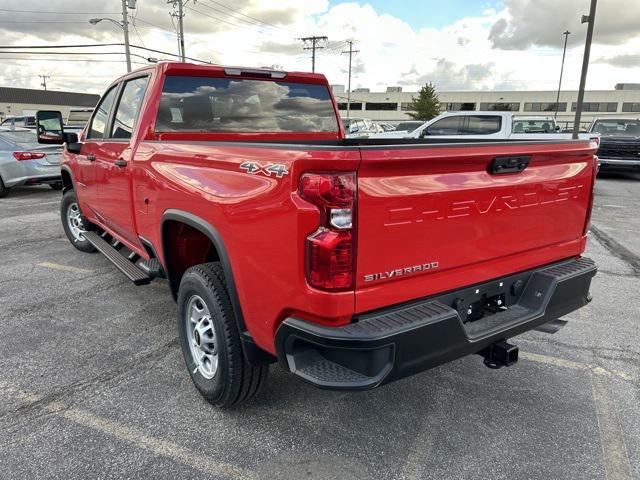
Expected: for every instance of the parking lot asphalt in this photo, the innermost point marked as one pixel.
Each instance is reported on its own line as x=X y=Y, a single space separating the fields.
x=93 y=384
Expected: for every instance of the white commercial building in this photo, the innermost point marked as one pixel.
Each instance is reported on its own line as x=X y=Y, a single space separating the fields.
x=394 y=104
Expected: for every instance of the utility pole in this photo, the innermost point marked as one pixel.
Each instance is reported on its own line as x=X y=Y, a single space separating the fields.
x=44 y=80
x=351 y=51
x=314 y=46
x=180 y=16
x=591 y=20
x=564 y=53
x=125 y=27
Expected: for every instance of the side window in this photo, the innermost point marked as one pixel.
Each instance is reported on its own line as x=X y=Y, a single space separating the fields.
x=128 y=107
x=446 y=126
x=101 y=116
x=482 y=125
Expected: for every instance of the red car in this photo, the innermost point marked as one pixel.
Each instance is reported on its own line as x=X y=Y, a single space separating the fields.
x=352 y=263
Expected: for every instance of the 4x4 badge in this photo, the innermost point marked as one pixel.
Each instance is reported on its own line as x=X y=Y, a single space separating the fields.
x=255 y=168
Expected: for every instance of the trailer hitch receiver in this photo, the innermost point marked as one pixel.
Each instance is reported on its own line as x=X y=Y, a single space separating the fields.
x=499 y=354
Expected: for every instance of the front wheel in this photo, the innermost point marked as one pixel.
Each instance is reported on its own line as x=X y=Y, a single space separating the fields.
x=74 y=223
x=210 y=339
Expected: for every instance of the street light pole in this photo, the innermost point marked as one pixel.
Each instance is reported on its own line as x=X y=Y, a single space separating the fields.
x=564 y=53
x=590 y=19
x=125 y=27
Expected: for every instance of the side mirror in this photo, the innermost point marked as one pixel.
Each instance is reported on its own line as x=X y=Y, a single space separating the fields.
x=424 y=133
x=49 y=125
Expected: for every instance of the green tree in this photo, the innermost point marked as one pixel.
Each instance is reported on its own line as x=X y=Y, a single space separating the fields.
x=426 y=105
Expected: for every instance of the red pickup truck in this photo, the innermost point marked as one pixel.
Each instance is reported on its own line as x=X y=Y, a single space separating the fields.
x=352 y=263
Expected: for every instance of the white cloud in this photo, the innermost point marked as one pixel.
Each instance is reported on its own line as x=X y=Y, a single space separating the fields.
x=518 y=47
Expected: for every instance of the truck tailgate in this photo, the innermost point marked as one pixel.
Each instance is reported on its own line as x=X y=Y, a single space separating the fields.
x=435 y=218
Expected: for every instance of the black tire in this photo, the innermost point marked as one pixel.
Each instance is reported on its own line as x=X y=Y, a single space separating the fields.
x=56 y=186
x=69 y=199
x=4 y=191
x=235 y=380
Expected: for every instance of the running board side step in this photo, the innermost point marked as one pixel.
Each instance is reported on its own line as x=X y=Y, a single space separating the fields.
x=131 y=270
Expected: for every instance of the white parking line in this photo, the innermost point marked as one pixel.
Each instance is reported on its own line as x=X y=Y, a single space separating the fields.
x=561 y=362
x=30 y=205
x=132 y=436
x=64 y=268
x=614 y=451
x=612 y=440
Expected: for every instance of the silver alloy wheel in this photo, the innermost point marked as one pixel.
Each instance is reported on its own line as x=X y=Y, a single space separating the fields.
x=74 y=220
x=201 y=337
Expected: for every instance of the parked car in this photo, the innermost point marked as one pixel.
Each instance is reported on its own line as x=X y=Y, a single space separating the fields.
x=239 y=187
x=475 y=125
x=619 y=143
x=360 y=127
x=19 y=122
x=535 y=124
x=23 y=161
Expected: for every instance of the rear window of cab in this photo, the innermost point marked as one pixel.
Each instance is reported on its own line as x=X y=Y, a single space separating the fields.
x=223 y=105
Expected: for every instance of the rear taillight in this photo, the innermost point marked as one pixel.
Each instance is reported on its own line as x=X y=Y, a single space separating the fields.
x=330 y=249
x=28 y=155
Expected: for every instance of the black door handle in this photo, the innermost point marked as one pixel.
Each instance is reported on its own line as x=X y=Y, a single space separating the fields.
x=509 y=164
x=91 y=157
x=121 y=162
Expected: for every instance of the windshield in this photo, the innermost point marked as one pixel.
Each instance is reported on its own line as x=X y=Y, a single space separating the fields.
x=625 y=128
x=533 y=126
x=201 y=104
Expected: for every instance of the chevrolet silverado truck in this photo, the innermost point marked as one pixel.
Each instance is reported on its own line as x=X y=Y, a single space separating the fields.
x=352 y=263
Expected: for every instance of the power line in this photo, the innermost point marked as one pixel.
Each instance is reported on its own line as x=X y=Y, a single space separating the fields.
x=23 y=47
x=38 y=21
x=314 y=46
x=251 y=21
x=216 y=18
x=58 y=13
x=82 y=45
x=73 y=53
x=24 y=59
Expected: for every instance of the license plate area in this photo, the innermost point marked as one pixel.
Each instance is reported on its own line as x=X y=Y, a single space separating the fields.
x=486 y=299
x=486 y=305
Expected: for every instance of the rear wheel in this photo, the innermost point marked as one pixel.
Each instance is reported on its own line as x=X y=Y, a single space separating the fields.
x=74 y=223
x=210 y=339
x=56 y=186
x=4 y=191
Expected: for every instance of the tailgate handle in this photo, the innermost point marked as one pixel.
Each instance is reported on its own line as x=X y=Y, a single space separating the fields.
x=509 y=164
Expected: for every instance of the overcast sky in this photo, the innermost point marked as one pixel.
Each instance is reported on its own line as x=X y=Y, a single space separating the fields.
x=456 y=44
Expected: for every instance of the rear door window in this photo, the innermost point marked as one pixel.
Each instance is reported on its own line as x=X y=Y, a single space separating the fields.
x=128 y=108
x=482 y=124
x=446 y=126
x=201 y=104
x=98 y=125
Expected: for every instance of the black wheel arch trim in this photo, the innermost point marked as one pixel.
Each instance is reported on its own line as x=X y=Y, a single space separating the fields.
x=65 y=168
x=254 y=354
